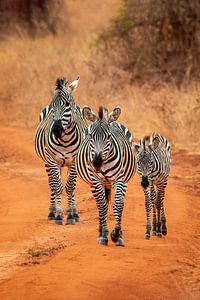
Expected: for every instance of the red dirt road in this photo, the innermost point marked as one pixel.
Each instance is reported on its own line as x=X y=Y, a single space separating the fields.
x=39 y=260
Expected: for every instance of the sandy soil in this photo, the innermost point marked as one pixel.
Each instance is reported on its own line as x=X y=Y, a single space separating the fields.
x=39 y=260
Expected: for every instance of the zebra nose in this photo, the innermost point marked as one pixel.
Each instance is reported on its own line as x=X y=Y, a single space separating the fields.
x=97 y=161
x=145 y=182
x=57 y=128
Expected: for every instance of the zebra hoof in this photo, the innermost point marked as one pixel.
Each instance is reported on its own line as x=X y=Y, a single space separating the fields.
x=51 y=216
x=147 y=236
x=76 y=217
x=70 y=221
x=164 y=231
x=158 y=235
x=120 y=242
x=102 y=240
x=114 y=237
x=154 y=233
x=58 y=220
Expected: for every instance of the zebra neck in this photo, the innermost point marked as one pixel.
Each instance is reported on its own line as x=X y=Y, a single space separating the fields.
x=69 y=132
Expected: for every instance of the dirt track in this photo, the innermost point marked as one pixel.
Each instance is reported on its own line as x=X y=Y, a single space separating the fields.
x=39 y=260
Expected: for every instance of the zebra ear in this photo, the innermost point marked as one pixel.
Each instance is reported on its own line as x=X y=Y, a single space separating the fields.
x=135 y=148
x=154 y=144
x=114 y=115
x=73 y=85
x=88 y=114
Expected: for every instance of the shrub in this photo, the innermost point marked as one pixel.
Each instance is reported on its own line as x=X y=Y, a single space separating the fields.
x=152 y=39
x=35 y=17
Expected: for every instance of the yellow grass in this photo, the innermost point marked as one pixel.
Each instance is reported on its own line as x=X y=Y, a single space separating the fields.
x=29 y=68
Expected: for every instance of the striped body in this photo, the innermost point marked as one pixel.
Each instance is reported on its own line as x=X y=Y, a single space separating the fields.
x=119 y=162
x=105 y=160
x=60 y=150
x=57 y=140
x=153 y=157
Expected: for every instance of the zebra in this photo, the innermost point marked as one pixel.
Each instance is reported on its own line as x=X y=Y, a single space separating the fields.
x=57 y=139
x=45 y=112
x=105 y=160
x=153 y=159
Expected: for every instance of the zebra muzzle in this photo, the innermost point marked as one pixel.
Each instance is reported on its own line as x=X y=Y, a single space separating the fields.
x=97 y=161
x=145 y=182
x=58 y=129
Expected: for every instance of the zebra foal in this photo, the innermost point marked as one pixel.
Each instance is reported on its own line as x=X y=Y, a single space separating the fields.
x=105 y=160
x=57 y=139
x=153 y=161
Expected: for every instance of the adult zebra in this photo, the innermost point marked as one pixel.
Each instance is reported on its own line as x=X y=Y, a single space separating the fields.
x=153 y=161
x=105 y=160
x=58 y=137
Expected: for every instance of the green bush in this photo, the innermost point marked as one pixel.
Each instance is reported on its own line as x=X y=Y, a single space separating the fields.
x=155 y=38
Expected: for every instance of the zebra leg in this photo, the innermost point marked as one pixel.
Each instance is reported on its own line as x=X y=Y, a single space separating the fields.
x=148 y=213
x=57 y=188
x=72 y=214
x=52 y=208
x=163 y=218
x=98 y=191
x=153 y=202
x=159 y=204
x=116 y=234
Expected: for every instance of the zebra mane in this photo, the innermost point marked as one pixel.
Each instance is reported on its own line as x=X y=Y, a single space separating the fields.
x=103 y=112
x=60 y=83
x=145 y=141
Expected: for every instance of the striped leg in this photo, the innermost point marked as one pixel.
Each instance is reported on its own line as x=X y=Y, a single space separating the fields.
x=98 y=191
x=163 y=218
x=148 y=212
x=116 y=234
x=56 y=189
x=52 y=208
x=72 y=214
x=153 y=202
x=159 y=205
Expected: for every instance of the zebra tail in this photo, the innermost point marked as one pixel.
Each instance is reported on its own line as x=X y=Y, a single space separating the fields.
x=108 y=194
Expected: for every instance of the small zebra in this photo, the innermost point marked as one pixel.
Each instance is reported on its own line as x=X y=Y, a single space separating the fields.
x=105 y=160
x=58 y=137
x=153 y=161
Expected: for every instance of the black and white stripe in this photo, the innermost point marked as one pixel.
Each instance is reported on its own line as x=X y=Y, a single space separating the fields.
x=57 y=140
x=105 y=160
x=153 y=160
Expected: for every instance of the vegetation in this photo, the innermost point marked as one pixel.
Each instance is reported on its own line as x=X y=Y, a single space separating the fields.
x=36 y=17
x=155 y=39
x=32 y=57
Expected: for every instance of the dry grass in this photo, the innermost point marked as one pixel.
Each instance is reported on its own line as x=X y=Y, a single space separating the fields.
x=29 y=68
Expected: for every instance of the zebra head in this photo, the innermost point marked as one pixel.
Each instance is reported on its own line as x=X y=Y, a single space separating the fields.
x=62 y=106
x=145 y=159
x=100 y=134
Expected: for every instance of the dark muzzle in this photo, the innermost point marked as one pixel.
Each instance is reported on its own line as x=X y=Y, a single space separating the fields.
x=145 y=182
x=97 y=161
x=57 y=129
